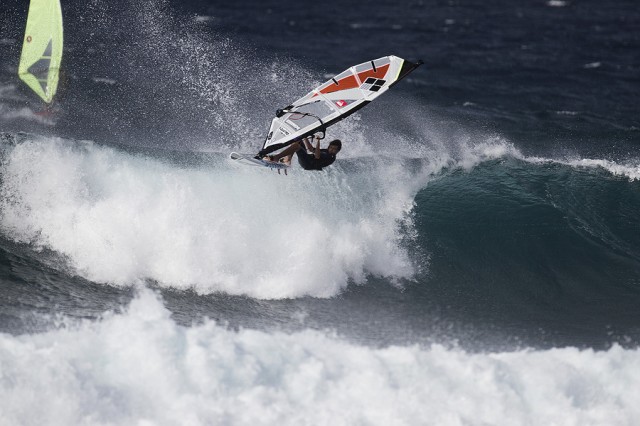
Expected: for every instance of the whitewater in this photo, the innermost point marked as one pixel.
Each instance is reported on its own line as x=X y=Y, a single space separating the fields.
x=199 y=223
x=140 y=367
x=121 y=218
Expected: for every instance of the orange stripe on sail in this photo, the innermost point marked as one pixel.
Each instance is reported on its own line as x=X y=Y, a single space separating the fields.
x=378 y=73
x=350 y=82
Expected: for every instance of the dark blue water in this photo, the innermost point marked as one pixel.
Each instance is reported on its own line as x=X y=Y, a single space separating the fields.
x=490 y=201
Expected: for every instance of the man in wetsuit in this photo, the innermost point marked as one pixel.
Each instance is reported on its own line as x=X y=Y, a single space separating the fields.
x=319 y=158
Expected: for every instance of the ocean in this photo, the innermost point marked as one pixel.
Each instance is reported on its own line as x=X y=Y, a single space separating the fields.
x=471 y=258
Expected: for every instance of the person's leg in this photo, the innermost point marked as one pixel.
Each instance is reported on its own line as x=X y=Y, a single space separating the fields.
x=305 y=159
x=287 y=152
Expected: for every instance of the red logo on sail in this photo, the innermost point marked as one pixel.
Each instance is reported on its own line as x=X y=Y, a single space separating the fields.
x=341 y=103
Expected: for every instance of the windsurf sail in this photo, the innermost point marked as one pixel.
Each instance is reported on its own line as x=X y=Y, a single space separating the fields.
x=42 y=48
x=335 y=100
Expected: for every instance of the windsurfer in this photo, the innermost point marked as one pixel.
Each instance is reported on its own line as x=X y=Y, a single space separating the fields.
x=319 y=158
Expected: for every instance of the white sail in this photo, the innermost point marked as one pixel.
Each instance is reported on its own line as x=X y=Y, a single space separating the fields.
x=334 y=100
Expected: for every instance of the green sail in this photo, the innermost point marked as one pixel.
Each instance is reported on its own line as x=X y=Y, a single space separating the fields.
x=42 y=48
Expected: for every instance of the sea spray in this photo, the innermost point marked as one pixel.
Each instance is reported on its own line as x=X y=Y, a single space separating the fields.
x=119 y=218
x=140 y=367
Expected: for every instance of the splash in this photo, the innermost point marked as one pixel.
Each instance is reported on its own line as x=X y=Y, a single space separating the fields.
x=141 y=368
x=123 y=218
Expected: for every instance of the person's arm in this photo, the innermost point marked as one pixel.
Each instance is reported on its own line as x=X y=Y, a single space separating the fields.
x=307 y=144
x=316 y=152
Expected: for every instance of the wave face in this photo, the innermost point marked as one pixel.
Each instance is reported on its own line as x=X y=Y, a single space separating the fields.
x=476 y=233
x=536 y=242
x=120 y=218
x=140 y=367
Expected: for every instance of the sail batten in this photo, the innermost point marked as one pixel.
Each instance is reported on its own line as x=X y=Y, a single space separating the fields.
x=335 y=100
x=42 y=47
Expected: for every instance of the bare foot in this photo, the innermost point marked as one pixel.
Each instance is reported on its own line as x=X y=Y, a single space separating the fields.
x=286 y=160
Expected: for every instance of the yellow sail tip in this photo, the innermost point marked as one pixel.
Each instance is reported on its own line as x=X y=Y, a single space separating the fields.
x=42 y=48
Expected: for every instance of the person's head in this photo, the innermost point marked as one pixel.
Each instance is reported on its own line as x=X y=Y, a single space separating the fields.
x=334 y=146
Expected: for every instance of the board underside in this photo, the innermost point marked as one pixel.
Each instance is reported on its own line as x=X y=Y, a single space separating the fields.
x=249 y=160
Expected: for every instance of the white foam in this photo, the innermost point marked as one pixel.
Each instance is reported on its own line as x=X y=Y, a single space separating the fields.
x=629 y=169
x=491 y=149
x=121 y=218
x=142 y=368
x=592 y=65
x=104 y=80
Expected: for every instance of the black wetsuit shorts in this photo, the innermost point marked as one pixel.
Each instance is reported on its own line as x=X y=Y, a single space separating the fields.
x=310 y=162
